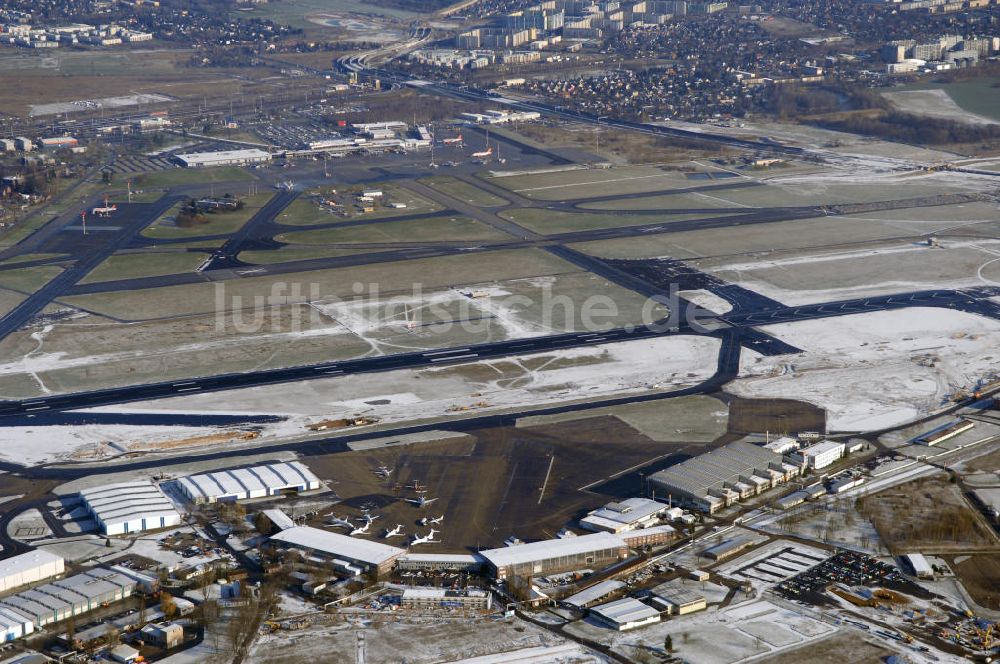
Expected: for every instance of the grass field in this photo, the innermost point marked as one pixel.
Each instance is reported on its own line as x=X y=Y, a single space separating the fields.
x=435 y=229
x=164 y=228
x=976 y=95
x=585 y=183
x=182 y=176
x=24 y=258
x=305 y=212
x=292 y=254
x=464 y=191
x=929 y=516
x=28 y=279
x=980 y=575
x=551 y=222
x=400 y=276
x=134 y=266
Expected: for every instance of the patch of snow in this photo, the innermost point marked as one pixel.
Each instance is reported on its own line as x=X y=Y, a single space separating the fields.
x=875 y=370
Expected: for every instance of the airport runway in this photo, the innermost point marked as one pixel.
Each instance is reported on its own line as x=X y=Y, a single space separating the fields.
x=735 y=328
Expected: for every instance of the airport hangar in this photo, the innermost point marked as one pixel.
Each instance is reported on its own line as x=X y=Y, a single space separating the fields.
x=130 y=507
x=272 y=479
x=558 y=555
x=723 y=476
x=342 y=550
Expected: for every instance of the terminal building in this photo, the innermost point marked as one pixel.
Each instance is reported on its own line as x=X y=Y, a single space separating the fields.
x=223 y=158
x=130 y=507
x=29 y=568
x=723 y=476
x=272 y=479
x=440 y=562
x=556 y=555
x=343 y=551
x=629 y=514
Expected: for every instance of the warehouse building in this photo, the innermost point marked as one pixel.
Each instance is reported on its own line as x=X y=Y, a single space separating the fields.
x=676 y=599
x=328 y=546
x=555 y=555
x=435 y=598
x=28 y=568
x=272 y=479
x=68 y=597
x=223 y=158
x=717 y=479
x=130 y=507
x=626 y=515
x=918 y=563
x=626 y=614
x=14 y=624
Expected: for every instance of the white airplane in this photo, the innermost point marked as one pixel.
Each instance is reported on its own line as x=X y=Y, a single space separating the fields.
x=337 y=521
x=368 y=518
x=482 y=154
x=383 y=471
x=360 y=530
x=395 y=532
x=429 y=537
x=421 y=501
x=105 y=211
x=427 y=521
x=452 y=141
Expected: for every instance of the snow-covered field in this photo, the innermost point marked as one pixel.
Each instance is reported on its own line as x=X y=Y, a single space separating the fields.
x=528 y=380
x=877 y=369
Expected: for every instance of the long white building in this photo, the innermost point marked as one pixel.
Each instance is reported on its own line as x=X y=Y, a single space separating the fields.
x=223 y=158
x=130 y=507
x=28 y=568
x=626 y=515
x=272 y=479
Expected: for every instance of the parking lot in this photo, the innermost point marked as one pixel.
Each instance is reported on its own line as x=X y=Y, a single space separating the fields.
x=846 y=567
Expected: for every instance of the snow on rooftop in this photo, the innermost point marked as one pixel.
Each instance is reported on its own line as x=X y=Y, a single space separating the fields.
x=27 y=561
x=335 y=544
x=625 y=611
x=554 y=548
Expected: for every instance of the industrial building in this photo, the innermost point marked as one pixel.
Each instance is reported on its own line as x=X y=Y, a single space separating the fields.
x=594 y=593
x=918 y=563
x=628 y=514
x=166 y=635
x=28 y=568
x=130 y=507
x=945 y=432
x=432 y=598
x=223 y=158
x=555 y=555
x=723 y=476
x=345 y=552
x=272 y=479
x=821 y=454
x=626 y=614
x=678 y=600
x=68 y=597
x=728 y=548
x=652 y=536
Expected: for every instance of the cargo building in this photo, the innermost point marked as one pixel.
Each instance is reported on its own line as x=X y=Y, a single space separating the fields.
x=625 y=515
x=344 y=551
x=29 y=568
